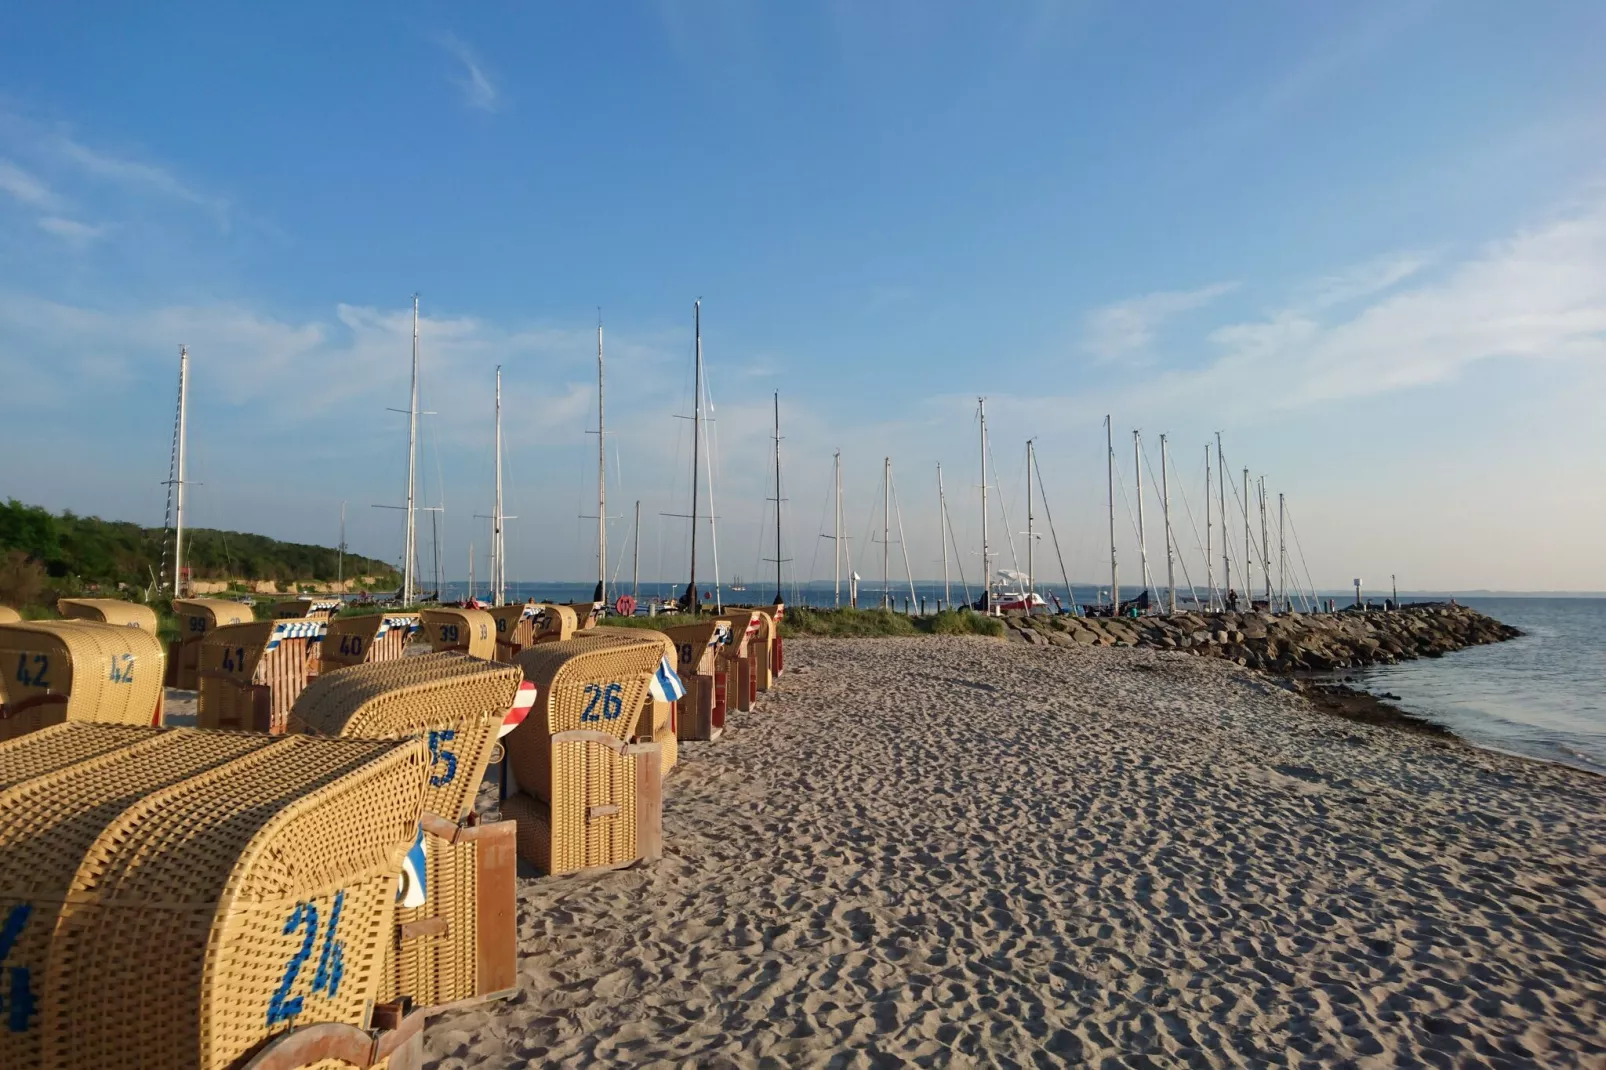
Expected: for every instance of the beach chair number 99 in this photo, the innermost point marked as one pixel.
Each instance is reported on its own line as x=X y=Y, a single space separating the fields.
x=331 y=961
x=19 y=1009
x=34 y=677
x=612 y=705
x=448 y=633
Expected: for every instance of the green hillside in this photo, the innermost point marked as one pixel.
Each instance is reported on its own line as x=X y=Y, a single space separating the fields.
x=43 y=555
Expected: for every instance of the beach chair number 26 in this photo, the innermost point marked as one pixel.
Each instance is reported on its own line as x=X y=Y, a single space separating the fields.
x=612 y=705
x=331 y=962
x=20 y=1008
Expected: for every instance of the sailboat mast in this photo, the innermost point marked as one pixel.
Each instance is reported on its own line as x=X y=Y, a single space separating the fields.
x=778 y=598
x=696 y=442
x=1165 y=511
x=1226 y=543
x=1282 y=557
x=498 y=565
x=1031 y=574
x=886 y=527
x=178 y=495
x=986 y=557
x=602 y=480
x=410 y=551
x=1210 y=564
x=836 y=529
x=635 y=557
x=470 y=573
x=1143 y=533
x=942 y=528
x=1109 y=465
x=340 y=555
x=1265 y=541
x=1249 y=542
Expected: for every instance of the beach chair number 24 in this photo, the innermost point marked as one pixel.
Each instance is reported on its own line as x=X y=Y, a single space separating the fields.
x=612 y=705
x=331 y=961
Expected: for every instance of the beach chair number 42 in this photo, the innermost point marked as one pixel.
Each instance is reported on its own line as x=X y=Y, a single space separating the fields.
x=122 y=669
x=612 y=705
x=36 y=676
x=331 y=961
x=20 y=1007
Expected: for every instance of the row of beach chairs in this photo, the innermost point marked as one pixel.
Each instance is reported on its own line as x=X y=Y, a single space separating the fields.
x=174 y=897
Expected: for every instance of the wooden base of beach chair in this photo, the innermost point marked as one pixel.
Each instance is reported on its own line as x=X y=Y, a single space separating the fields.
x=336 y=1047
x=609 y=817
x=702 y=710
x=460 y=948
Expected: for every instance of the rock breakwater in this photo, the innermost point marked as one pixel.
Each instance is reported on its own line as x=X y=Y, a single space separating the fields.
x=1282 y=643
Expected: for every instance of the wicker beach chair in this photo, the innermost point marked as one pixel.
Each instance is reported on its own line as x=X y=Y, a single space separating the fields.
x=554 y=623
x=306 y=609
x=464 y=631
x=9 y=615
x=109 y=611
x=251 y=674
x=458 y=945
x=515 y=628
x=77 y=670
x=586 y=798
x=197 y=617
x=586 y=614
x=749 y=635
x=777 y=662
x=703 y=667
x=177 y=897
x=365 y=640
x=658 y=719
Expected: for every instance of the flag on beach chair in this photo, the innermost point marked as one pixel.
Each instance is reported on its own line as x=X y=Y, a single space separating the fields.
x=666 y=685
x=522 y=704
x=413 y=891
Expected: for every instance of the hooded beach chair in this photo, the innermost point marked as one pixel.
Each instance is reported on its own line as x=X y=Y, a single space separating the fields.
x=554 y=623
x=365 y=640
x=77 y=670
x=176 y=899
x=516 y=626
x=306 y=609
x=9 y=615
x=585 y=798
x=109 y=611
x=705 y=671
x=464 y=631
x=196 y=619
x=251 y=674
x=659 y=712
x=749 y=631
x=455 y=938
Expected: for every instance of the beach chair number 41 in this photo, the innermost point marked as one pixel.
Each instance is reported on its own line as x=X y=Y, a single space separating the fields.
x=19 y=1007
x=331 y=961
x=36 y=676
x=612 y=705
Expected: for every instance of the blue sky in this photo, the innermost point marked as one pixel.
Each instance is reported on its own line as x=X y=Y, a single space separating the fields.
x=1365 y=241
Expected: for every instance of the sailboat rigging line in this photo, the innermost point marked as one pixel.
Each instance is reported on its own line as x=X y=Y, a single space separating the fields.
x=1303 y=563
x=1226 y=527
x=898 y=511
x=1120 y=484
x=1197 y=542
x=1009 y=533
x=825 y=509
x=1181 y=560
x=1248 y=563
x=1047 y=515
x=711 y=440
x=953 y=541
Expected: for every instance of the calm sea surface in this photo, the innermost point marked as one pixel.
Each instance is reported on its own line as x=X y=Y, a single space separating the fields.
x=1543 y=695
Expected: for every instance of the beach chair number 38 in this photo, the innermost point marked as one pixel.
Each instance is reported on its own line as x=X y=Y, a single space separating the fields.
x=612 y=705
x=331 y=961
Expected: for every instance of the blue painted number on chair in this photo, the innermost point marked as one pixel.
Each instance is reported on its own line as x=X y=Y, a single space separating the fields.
x=439 y=755
x=19 y=1007
x=609 y=697
x=283 y=1006
x=36 y=675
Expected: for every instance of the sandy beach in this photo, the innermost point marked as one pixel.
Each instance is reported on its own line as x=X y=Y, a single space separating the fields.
x=947 y=851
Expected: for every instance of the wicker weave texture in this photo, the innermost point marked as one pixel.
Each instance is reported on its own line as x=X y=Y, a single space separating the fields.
x=109 y=611
x=515 y=629
x=305 y=609
x=589 y=818
x=468 y=631
x=235 y=904
x=763 y=651
x=350 y=641
x=49 y=822
x=453 y=701
x=440 y=967
x=239 y=659
x=59 y=746
x=9 y=615
x=555 y=624
x=77 y=670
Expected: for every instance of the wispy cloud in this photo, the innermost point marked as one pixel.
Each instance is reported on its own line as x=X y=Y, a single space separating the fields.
x=25 y=187
x=478 y=90
x=73 y=230
x=1124 y=332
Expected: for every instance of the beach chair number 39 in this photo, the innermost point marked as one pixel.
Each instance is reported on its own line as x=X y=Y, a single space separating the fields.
x=612 y=705
x=331 y=961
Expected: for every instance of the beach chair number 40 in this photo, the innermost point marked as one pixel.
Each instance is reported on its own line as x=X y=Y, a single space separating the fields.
x=331 y=961
x=20 y=1007
x=612 y=705
x=35 y=677
x=351 y=645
